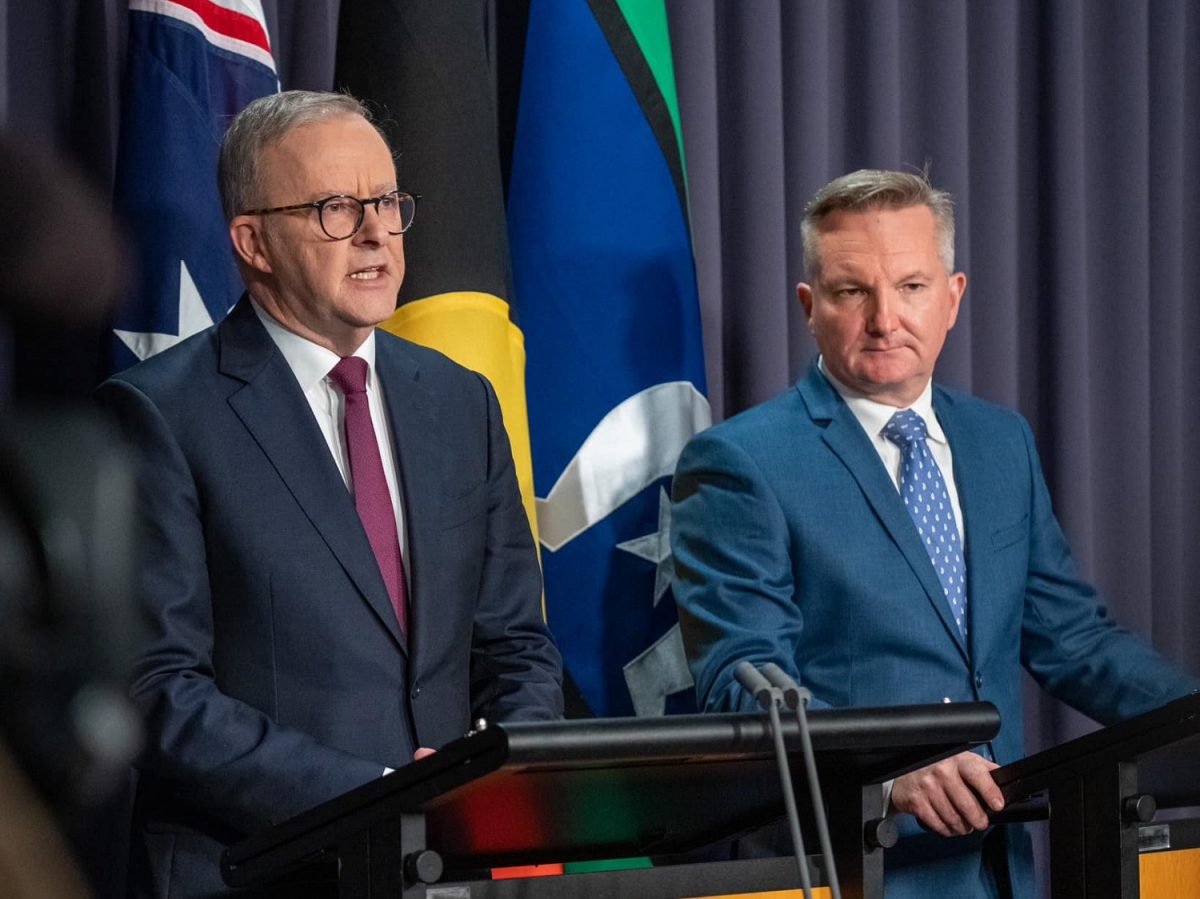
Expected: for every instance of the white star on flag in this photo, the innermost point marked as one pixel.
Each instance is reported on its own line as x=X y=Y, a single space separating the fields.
x=656 y=547
x=194 y=317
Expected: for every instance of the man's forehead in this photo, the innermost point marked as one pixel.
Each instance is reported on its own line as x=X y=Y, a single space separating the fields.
x=917 y=218
x=860 y=238
x=344 y=154
x=342 y=134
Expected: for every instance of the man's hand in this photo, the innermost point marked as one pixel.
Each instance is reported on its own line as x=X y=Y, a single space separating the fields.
x=422 y=752
x=949 y=797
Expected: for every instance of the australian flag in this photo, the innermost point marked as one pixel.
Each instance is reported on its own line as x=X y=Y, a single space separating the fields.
x=192 y=65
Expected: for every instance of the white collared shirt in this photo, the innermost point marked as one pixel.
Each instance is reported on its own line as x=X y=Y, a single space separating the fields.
x=874 y=416
x=311 y=364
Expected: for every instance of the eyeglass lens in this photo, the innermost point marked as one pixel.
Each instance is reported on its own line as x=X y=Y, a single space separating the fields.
x=341 y=217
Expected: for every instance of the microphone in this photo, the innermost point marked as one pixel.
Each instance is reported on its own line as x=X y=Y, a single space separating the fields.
x=797 y=699
x=793 y=693
x=754 y=683
x=770 y=697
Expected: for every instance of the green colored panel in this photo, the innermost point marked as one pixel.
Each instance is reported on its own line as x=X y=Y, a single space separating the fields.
x=647 y=19
x=609 y=864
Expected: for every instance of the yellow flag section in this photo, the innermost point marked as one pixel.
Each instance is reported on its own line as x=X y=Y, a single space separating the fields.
x=474 y=330
x=818 y=893
x=425 y=70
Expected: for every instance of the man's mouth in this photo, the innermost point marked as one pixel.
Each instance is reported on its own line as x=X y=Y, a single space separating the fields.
x=368 y=274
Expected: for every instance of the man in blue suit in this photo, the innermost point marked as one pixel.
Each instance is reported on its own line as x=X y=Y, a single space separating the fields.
x=335 y=580
x=888 y=541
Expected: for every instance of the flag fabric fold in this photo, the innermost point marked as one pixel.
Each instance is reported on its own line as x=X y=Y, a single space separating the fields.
x=192 y=65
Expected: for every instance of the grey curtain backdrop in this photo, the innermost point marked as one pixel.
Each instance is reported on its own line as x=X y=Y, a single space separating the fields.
x=1068 y=131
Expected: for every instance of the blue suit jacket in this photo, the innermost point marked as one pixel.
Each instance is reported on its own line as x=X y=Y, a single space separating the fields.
x=793 y=545
x=275 y=677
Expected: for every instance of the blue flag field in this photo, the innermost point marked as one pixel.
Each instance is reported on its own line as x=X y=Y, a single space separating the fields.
x=192 y=65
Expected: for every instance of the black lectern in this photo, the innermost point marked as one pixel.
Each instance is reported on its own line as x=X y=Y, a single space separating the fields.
x=1103 y=788
x=520 y=794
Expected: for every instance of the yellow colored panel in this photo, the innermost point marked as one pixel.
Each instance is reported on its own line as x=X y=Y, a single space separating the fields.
x=818 y=893
x=475 y=331
x=1170 y=875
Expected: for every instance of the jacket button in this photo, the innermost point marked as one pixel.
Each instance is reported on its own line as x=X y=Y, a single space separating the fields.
x=416 y=691
x=978 y=680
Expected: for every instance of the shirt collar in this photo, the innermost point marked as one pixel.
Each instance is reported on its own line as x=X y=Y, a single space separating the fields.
x=873 y=416
x=310 y=362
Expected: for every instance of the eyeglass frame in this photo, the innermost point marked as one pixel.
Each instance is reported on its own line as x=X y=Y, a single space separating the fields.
x=363 y=203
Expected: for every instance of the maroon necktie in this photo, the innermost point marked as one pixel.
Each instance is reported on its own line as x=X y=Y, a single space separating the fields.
x=371 y=496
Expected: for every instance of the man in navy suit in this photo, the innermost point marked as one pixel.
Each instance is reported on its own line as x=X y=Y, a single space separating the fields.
x=885 y=557
x=295 y=654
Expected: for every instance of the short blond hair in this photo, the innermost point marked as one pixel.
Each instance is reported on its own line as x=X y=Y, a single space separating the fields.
x=876 y=189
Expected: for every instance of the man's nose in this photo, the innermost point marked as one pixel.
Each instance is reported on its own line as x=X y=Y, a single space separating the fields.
x=372 y=229
x=881 y=311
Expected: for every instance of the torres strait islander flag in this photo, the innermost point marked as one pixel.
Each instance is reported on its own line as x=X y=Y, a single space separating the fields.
x=192 y=65
x=605 y=289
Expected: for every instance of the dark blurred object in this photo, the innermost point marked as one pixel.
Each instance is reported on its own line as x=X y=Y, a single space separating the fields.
x=32 y=851
x=69 y=627
x=62 y=260
x=67 y=617
x=63 y=263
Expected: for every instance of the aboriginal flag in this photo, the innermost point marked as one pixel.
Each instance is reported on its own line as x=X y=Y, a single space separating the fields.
x=424 y=68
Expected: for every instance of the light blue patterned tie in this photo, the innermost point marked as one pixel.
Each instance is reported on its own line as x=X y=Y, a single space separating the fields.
x=928 y=503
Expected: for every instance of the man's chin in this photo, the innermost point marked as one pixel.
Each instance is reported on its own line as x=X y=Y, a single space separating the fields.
x=373 y=308
x=880 y=377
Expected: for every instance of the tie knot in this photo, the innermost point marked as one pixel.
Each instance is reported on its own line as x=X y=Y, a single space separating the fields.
x=905 y=427
x=350 y=375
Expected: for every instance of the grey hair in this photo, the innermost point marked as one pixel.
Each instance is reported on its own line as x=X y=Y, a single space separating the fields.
x=874 y=189
x=263 y=123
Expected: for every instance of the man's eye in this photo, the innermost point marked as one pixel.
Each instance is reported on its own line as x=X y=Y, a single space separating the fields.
x=335 y=206
x=388 y=201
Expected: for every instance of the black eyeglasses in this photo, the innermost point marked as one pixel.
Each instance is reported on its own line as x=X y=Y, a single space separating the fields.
x=341 y=216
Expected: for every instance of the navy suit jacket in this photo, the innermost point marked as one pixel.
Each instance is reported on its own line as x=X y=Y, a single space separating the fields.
x=275 y=675
x=793 y=545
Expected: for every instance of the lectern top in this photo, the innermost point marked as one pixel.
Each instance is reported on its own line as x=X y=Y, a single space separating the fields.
x=527 y=792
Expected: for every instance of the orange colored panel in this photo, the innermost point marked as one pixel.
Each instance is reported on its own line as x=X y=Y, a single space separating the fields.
x=1170 y=875
x=516 y=871
x=818 y=893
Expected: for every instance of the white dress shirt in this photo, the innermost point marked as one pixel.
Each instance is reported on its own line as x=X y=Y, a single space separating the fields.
x=311 y=364
x=874 y=417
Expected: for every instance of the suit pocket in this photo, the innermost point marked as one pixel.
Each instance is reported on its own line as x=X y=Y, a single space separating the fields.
x=1005 y=537
x=464 y=507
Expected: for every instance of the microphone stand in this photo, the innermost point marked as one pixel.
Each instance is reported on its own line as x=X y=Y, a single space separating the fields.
x=797 y=699
x=770 y=698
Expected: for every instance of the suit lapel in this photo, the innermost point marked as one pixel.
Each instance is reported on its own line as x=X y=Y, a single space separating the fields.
x=421 y=457
x=969 y=465
x=845 y=438
x=275 y=412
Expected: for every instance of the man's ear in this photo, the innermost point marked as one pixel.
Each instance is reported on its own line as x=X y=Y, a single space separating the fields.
x=805 y=293
x=249 y=242
x=957 y=287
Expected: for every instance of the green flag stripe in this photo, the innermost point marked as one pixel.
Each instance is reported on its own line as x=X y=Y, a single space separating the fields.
x=648 y=21
x=646 y=90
